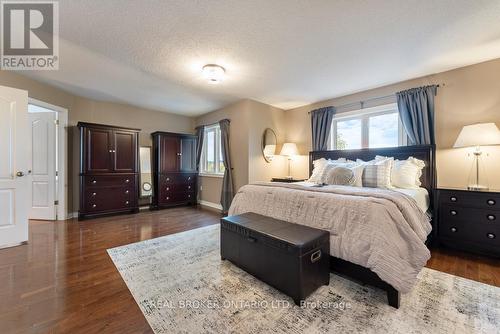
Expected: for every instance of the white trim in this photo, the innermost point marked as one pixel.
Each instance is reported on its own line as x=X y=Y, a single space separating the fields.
x=220 y=176
x=144 y=208
x=71 y=215
x=366 y=111
x=62 y=117
x=211 y=205
x=217 y=152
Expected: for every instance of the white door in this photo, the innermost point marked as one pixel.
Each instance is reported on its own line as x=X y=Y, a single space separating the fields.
x=43 y=171
x=15 y=147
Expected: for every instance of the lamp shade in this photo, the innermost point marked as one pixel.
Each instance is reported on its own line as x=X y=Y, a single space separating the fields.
x=289 y=149
x=480 y=134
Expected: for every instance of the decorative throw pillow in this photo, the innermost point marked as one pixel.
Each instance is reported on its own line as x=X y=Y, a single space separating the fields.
x=406 y=173
x=377 y=173
x=357 y=171
x=319 y=167
x=338 y=175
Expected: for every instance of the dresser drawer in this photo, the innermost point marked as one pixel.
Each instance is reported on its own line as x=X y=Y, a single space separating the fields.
x=174 y=198
x=109 y=199
x=177 y=188
x=177 y=178
x=109 y=181
x=484 y=200
x=450 y=212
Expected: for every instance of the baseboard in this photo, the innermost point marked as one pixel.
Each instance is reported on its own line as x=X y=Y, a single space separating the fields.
x=72 y=215
x=211 y=205
x=144 y=208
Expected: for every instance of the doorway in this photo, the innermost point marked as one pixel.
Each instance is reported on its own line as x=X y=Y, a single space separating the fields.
x=47 y=124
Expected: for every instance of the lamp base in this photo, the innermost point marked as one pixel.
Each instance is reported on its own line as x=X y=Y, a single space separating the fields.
x=477 y=187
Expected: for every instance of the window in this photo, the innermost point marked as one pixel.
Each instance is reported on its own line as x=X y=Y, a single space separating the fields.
x=212 y=162
x=367 y=128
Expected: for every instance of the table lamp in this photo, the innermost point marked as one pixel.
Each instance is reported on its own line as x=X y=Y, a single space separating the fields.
x=478 y=135
x=289 y=150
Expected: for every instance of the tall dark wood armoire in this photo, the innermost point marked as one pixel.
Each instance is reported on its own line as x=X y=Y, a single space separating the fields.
x=174 y=169
x=109 y=170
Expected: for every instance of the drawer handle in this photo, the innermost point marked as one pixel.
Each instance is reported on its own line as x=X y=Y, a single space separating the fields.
x=168 y=198
x=189 y=178
x=126 y=191
x=168 y=188
x=94 y=205
x=168 y=179
x=491 y=236
x=189 y=187
x=94 y=181
x=316 y=256
x=491 y=217
x=189 y=196
x=127 y=181
x=453 y=199
x=93 y=194
x=453 y=229
x=491 y=202
x=453 y=212
x=126 y=202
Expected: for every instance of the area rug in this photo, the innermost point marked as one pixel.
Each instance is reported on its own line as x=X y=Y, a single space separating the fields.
x=182 y=286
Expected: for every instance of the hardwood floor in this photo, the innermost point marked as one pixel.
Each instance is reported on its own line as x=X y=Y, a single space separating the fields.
x=63 y=281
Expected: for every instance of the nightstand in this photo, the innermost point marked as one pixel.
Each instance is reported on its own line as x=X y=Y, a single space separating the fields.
x=469 y=220
x=286 y=180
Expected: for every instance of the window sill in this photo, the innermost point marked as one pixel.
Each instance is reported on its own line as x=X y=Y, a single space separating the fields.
x=220 y=176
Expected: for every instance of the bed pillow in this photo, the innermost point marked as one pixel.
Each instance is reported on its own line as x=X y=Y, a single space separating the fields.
x=406 y=173
x=377 y=173
x=356 y=169
x=319 y=167
x=338 y=175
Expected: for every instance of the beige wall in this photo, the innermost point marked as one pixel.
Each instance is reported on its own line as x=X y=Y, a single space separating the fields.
x=470 y=95
x=248 y=121
x=86 y=110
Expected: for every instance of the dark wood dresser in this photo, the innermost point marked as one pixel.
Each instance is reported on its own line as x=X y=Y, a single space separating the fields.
x=469 y=220
x=174 y=169
x=109 y=168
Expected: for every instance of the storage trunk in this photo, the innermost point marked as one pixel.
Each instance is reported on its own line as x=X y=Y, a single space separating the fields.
x=292 y=258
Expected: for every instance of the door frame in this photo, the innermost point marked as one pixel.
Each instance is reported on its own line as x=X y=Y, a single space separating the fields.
x=62 y=160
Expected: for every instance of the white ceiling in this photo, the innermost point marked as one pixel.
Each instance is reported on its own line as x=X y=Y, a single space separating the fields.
x=286 y=53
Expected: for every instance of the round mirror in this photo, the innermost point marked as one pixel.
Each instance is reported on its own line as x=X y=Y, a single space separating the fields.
x=269 y=142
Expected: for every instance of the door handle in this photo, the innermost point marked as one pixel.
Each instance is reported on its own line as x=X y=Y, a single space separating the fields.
x=19 y=174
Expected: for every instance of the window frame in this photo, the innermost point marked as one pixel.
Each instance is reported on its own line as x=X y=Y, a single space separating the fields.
x=364 y=115
x=217 y=150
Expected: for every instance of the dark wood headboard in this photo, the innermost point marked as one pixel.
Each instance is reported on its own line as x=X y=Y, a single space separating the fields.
x=422 y=152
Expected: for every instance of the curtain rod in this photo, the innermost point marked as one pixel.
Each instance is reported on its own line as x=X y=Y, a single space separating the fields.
x=203 y=125
x=362 y=102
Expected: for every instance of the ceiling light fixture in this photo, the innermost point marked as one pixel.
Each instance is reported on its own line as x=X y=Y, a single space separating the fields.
x=213 y=73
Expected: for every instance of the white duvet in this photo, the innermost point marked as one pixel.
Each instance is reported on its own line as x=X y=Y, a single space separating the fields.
x=383 y=230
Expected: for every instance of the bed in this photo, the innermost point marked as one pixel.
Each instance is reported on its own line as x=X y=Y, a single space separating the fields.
x=378 y=236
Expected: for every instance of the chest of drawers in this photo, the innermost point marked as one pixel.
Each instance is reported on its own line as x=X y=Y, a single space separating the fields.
x=469 y=220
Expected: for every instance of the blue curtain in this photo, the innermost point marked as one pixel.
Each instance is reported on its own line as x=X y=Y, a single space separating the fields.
x=416 y=110
x=200 y=135
x=321 y=124
x=227 y=182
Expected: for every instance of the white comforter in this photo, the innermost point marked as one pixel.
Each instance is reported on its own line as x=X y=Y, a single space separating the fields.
x=380 y=229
